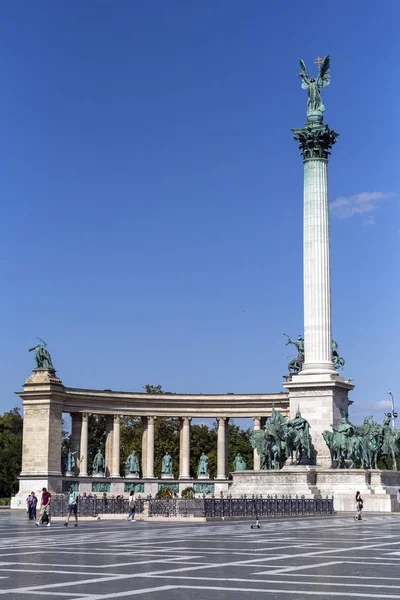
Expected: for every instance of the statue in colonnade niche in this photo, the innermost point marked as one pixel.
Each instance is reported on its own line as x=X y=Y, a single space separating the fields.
x=166 y=465
x=42 y=356
x=238 y=463
x=132 y=465
x=202 y=469
x=98 y=464
x=69 y=463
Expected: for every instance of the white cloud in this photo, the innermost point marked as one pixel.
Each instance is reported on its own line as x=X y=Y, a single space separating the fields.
x=382 y=404
x=346 y=207
x=369 y=220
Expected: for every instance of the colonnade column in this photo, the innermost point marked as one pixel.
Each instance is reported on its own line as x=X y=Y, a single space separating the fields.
x=150 y=448
x=109 y=444
x=256 y=456
x=221 y=448
x=184 y=466
x=144 y=447
x=116 y=443
x=84 y=445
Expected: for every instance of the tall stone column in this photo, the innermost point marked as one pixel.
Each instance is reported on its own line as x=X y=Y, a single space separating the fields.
x=109 y=444
x=116 y=444
x=256 y=456
x=150 y=448
x=315 y=140
x=221 y=448
x=144 y=447
x=184 y=466
x=76 y=424
x=84 y=445
x=318 y=391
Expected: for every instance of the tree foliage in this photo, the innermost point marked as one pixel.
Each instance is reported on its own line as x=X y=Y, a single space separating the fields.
x=10 y=451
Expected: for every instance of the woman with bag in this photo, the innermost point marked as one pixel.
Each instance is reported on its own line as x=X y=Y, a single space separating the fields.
x=132 y=506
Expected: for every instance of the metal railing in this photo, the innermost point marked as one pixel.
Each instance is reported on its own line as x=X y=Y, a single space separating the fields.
x=91 y=506
x=208 y=506
x=246 y=506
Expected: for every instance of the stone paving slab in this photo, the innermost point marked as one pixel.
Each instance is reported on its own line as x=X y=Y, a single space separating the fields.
x=331 y=557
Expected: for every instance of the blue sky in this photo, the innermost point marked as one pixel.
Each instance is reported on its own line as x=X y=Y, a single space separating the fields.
x=151 y=226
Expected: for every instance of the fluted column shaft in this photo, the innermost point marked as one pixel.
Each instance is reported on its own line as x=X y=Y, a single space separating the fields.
x=221 y=448
x=109 y=444
x=185 y=449
x=317 y=279
x=116 y=444
x=150 y=448
x=144 y=447
x=256 y=456
x=84 y=445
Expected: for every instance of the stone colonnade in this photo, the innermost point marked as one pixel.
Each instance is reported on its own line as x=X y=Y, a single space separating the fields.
x=79 y=443
x=46 y=399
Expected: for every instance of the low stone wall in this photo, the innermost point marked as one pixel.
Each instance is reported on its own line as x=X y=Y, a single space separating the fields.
x=378 y=488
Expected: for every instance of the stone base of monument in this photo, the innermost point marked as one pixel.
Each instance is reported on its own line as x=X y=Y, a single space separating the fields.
x=378 y=488
x=290 y=481
x=98 y=475
x=132 y=476
x=203 y=476
x=167 y=476
x=36 y=484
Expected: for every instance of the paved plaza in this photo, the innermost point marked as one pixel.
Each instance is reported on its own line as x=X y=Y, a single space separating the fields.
x=287 y=558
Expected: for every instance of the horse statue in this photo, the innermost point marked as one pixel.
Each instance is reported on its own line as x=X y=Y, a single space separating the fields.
x=390 y=441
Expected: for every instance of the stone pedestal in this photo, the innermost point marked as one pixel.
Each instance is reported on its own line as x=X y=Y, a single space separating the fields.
x=321 y=400
x=203 y=476
x=378 y=488
x=132 y=476
x=167 y=476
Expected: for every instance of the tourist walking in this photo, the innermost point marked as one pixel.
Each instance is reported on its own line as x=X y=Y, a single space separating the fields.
x=132 y=506
x=72 y=507
x=44 y=516
x=359 y=507
x=31 y=503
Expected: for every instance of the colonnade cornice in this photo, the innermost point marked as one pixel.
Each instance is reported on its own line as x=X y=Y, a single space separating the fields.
x=207 y=414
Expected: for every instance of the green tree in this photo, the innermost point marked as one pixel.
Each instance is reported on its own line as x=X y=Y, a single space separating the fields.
x=239 y=442
x=131 y=439
x=10 y=451
x=96 y=437
x=203 y=439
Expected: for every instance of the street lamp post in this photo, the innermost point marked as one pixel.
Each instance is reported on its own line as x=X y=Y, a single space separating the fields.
x=394 y=414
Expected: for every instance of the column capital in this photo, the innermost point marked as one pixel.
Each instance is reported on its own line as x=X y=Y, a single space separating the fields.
x=222 y=419
x=85 y=416
x=117 y=418
x=315 y=140
x=186 y=420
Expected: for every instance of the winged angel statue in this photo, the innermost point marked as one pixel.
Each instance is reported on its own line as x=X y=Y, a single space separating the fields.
x=315 y=105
